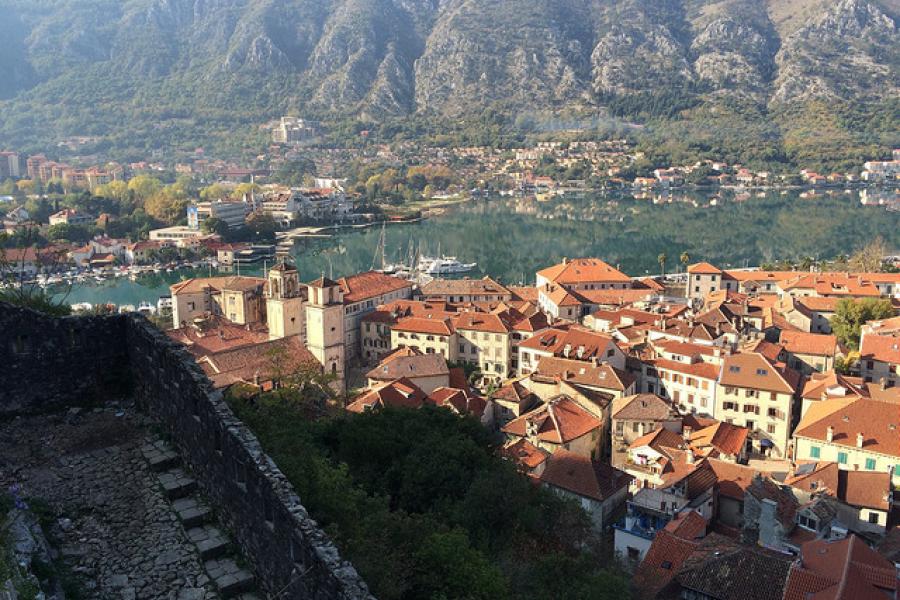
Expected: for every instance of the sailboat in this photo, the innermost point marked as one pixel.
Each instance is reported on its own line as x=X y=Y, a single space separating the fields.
x=443 y=265
x=386 y=267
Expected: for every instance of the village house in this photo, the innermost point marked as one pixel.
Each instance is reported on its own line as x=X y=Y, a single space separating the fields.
x=560 y=423
x=427 y=371
x=462 y=291
x=575 y=343
x=863 y=498
x=593 y=375
x=879 y=352
x=635 y=416
x=70 y=216
x=599 y=488
x=484 y=341
x=429 y=336
x=859 y=434
x=512 y=400
x=376 y=326
x=689 y=383
x=809 y=352
x=576 y=275
x=755 y=393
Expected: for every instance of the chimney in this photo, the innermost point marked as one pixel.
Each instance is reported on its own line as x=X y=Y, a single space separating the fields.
x=256 y=378
x=860 y=439
x=686 y=431
x=883 y=383
x=690 y=456
x=829 y=434
x=565 y=260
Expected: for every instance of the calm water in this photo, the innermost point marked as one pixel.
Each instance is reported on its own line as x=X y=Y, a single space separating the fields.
x=512 y=238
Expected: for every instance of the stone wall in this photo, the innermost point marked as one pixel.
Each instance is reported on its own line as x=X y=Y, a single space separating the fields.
x=44 y=365
x=46 y=362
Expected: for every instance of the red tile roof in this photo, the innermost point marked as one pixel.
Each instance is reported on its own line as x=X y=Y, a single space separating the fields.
x=558 y=422
x=581 y=270
x=877 y=421
x=845 y=569
x=401 y=393
x=754 y=371
x=800 y=342
x=370 y=285
x=440 y=326
x=583 y=476
x=883 y=348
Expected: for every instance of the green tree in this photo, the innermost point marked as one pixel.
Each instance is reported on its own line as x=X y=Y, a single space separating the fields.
x=144 y=187
x=851 y=315
x=215 y=225
x=69 y=233
x=685 y=258
x=661 y=259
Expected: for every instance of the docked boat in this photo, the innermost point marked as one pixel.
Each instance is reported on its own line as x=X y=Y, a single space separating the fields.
x=445 y=265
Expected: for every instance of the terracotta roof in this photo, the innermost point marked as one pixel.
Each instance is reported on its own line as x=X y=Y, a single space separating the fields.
x=476 y=321
x=883 y=348
x=459 y=401
x=583 y=476
x=525 y=454
x=844 y=569
x=768 y=349
x=401 y=393
x=559 y=421
x=688 y=525
x=659 y=439
x=877 y=422
x=816 y=344
x=515 y=393
x=245 y=363
x=814 y=477
x=581 y=270
x=753 y=371
x=440 y=326
x=746 y=573
x=685 y=348
x=867 y=489
x=527 y=293
x=365 y=286
x=822 y=386
x=395 y=366
x=723 y=437
x=700 y=369
x=560 y=296
x=216 y=334
x=533 y=323
x=555 y=341
x=323 y=282
x=703 y=268
x=818 y=304
x=218 y=284
x=584 y=373
x=643 y=407
x=733 y=479
x=464 y=287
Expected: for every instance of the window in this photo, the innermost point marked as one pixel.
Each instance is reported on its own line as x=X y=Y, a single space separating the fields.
x=734 y=369
x=634 y=427
x=773 y=413
x=815 y=452
x=762 y=372
x=873 y=517
x=773 y=396
x=808 y=522
x=842 y=458
x=770 y=428
x=870 y=464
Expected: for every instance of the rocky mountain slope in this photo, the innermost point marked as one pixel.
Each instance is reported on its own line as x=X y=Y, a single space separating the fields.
x=381 y=58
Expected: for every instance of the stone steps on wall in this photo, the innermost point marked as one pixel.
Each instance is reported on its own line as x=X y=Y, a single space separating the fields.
x=215 y=548
x=210 y=541
x=160 y=456
x=229 y=578
x=176 y=483
x=192 y=512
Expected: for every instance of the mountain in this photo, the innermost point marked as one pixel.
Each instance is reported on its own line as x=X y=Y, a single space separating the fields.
x=161 y=69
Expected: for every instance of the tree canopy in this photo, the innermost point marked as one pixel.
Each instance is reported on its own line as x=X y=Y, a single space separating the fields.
x=851 y=315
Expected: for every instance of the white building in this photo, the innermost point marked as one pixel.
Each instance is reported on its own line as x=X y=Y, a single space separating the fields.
x=233 y=213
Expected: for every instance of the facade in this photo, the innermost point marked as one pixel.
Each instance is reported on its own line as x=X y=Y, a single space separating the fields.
x=879 y=351
x=362 y=294
x=325 y=326
x=574 y=343
x=284 y=303
x=810 y=352
x=70 y=216
x=559 y=424
x=428 y=336
x=757 y=394
x=599 y=488
x=484 y=341
x=294 y=130
x=238 y=299
x=234 y=214
x=462 y=291
x=858 y=434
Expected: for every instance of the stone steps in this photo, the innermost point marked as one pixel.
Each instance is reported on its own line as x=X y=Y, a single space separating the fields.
x=229 y=578
x=160 y=456
x=176 y=483
x=210 y=541
x=197 y=518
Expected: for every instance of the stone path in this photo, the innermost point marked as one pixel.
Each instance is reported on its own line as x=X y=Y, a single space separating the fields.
x=115 y=514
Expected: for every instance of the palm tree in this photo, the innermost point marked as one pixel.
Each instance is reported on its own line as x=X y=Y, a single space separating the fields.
x=685 y=258
x=661 y=259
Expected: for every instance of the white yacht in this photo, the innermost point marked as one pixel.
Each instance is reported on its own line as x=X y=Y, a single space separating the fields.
x=445 y=265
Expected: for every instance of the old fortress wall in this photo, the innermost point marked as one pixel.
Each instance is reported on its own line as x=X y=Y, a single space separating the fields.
x=49 y=363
